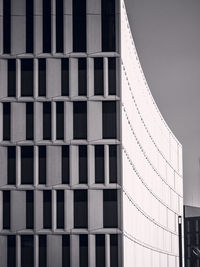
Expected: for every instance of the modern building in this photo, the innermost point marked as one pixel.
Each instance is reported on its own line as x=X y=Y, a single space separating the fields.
x=90 y=173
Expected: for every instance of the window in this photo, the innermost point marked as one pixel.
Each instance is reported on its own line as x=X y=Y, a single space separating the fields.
x=110 y=216
x=100 y=251
x=27 y=165
x=6 y=26
x=98 y=76
x=29 y=210
x=59 y=120
x=42 y=164
x=29 y=121
x=6 y=209
x=113 y=250
x=47 y=121
x=83 y=252
x=42 y=251
x=113 y=163
x=65 y=76
x=11 y=78
x=42 y=77
x=27 y=251
x=59 y=26
x=47 y=213
x=82 y=77
x=65 y=251
x=79 y=25
x=27 y=77
x=60 y=209
x=99 y=164
x=109 y=120
x=80 y=209
x=65 y=164
x=11 y=251
x=11 y=165
x=83 y=170
x=29 y=26
x=80 y=120
x=6 y=121
x=108 y=25
x=112 y=76
x=46 y=26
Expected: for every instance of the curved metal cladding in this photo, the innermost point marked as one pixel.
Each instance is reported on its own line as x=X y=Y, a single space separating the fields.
x=152 y=169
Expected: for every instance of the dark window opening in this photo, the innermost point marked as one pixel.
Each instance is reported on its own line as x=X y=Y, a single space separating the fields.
x=99 y=164
x=59 y=26
x=98 y=76
x=113 y=163
x=29 y=209
x=65 y=76
x=27 y=165
x=100 y=251
x=108 y=26
x=6 y=121
x=29 y=26
x=11 y=77
x=82 y=77
x=80 y=120
x=60 y=209
x=27 y=77
x=6 y=26
x=47 y=209
x=110 y=214
x=65 y=251
x=83 y=252
x=6 y=209
x=83 y=170
x=109 y=120
x=113 y=250
x=47 y=121
x=42 y=77
x=80 y=209
x=79 y=25
x=112 y=76
x=59 y=120
x=29 y=121
x=27 y=251
x=42 y=164
x=11 y=251
x=11 y=167
x=46 y=26
x=65 y=164
x=42 y=251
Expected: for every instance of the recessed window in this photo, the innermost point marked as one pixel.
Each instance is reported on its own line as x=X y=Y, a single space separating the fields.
x=47 y=120
x=6 y=121
x=29 y=121
x=110 y=217
x=11 y=165
x=113 y=163
x=27 y=77
x=29 y=26
x=65 y=250
x=42 y=77
x=6 y=26
x=47 y=209
x=59 y=26
x=11 y=251
x=80 y=120
x=27 y=165
x=6 y=209
x=112 y=76
x=83 y=251
x=83 y=170
x=27 y=251
x=113 y=250
x=82 y=77
x=42 y=251
x=59 y=120
x=109 y=120
x=60 y=209
x=98 y=76
x=65 y=165
x=80 y=209
x=100 y=251
x=42 y=164
x=65 y=76
x=46 y=26
x=99 y=164
x=79 y=25
x=29 y=209
x=11 y=78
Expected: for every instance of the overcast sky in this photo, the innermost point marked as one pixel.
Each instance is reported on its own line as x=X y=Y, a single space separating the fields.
x=167 y=37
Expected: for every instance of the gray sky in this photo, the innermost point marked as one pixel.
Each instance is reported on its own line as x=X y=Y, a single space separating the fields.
x=167 y=37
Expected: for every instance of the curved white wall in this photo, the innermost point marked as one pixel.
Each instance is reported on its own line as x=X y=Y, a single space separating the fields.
x=152 y=169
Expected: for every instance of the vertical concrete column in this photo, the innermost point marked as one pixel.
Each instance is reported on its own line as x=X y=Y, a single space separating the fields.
x=18 y=126
x=3 y=165
x=3 y=251
x=1 y=215
x=107 y=247
x=54 y=216
x=38 y=210
x=73 y=77
x=91 y=165
x=53 y=121
x=105 y=74
x=1 y=27
x=38 y=27
x=53 y=78
x=18 y=210
x=1 y=122
x=68 y=121
x=54 y=250
x=3 y=78
x=74 y=170
x=36 y=165
x=91 y=250
x=18 y=78
x=95 y=199
x=53 y=26
x=94 y=120
x=35 y=82
x=68 y=32
x=18 y=165
x=53 y=165
x=38 y=121
x=106 y=164
x=90 y=76
x=74 y=251
x=36 y=251
x=69 y=209
x=18 y=251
